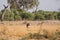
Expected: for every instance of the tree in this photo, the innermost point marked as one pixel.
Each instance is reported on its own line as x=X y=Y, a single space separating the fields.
x=19 y=4
x=3 y=12
x=58 y=15
x=39 y=16
x=22 y=3
x=27 y=16
x=37 y=3
x=0 y=14
x=9 y=16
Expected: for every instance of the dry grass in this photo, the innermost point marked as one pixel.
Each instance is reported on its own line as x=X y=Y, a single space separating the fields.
x=16 y=29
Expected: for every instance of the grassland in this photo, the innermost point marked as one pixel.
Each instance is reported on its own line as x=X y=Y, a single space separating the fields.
x=16 y=30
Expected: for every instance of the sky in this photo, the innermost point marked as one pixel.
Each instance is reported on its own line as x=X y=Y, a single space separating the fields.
x=2 y=2
x=52 y=5
x=47 y=5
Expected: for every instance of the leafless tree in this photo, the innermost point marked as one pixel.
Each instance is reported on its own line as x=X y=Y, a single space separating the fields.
x=3 y=12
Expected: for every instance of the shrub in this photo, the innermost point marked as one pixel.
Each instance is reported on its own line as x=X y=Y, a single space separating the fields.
x=9 y=15
x=27 y=16
x=58 y=15
x=0 y=15
x=39 y=16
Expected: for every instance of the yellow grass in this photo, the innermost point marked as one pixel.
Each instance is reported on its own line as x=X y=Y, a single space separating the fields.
x=17 y=28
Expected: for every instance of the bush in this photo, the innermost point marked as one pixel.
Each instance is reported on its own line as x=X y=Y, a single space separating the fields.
x=27 y=16
x=34 y=36
x=9 y=16
x=0 y=15
x=21 y=14
x=58 y=15
x=39 y=16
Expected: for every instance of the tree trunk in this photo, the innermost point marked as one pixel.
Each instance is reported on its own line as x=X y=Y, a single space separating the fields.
x=36 y=6
x=2 y=16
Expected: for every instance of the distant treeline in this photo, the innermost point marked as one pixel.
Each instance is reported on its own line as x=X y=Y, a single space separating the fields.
x=17 y=15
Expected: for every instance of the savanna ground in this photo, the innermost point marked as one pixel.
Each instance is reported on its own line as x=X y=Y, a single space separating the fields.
x=17 y=30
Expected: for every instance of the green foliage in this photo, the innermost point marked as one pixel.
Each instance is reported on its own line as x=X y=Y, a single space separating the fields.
x=39 y=36
x=57 y=35
x=0 y=14
x=16 y=15
x=17 y=11
x=39 y=16
x=31 y=36
x=22 y=14
x=34 y=36
x=9 y=15
x=58 y=15
x=17 y=4
x=27 y=16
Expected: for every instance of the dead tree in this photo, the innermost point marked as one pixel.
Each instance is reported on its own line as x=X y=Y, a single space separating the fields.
x=3 y=12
